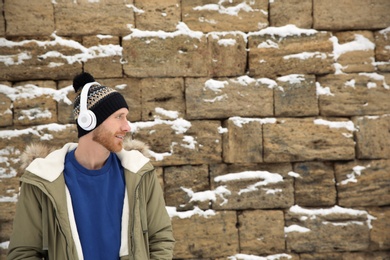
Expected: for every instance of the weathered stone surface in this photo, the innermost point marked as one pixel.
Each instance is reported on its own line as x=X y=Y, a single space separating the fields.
x=214 y=15
x=260 y=186
x=296 y=96
x=346 y=256
x=273 y=53
x=228 y=52
x=65 y=106
x=373 y=137
x=380 y=235
x=315 y=185
x=181 y=182
x=180 y=142
x=5 y=105
x=327 y=230
x=363 y=183
x=382 y=45
x=261 y=232
x=350 y=14
x=43 y=59
x=29 y=18
x=223 y=98
x=162 y=98
x=297 y=12
x=172 y=54
x=242 y=141
x=130 y=88
x=354 y=94
x=202 y=237
x=308 y=139
x=154 y=15
x=2 y=24
x=355 y=51
x=93 y=17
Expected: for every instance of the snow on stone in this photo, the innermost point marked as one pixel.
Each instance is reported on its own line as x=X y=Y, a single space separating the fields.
x=268 y=44
x=34 y=113
x=360 y=43
x=376 y=76
x=240 y=121
x=121 y=86
x=215 y=85
x=356 y=171
x=227 y=42
x=34 y=130
x=323 y=90
x=179 y=125
x=284 y=31
x=172 y=212
x=222 y=130
x=135 y=9
x=306 y=55
x=189 y=142
x=350 y=83
x=292 y=78
x=168 y=113
x=294 y=174
x=4 y=245
x=332 y=124
x=254 y=257
x=14 y=198
x=296 y=228
x=231 y=10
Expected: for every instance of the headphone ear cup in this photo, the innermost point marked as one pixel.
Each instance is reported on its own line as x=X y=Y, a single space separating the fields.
x=87 y=120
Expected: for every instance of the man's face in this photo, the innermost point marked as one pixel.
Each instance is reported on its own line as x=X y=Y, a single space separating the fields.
x=112 y=131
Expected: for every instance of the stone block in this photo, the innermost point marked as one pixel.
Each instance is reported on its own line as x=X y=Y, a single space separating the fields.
x=29 y=17
x=380 y=235
x=5 y=105
x=41 y=59
x=308 y=139
x=179 y=142
x=130 y=88
x=315 y=186
x=339 y=15
x=382 y=45
x=183 y=181
x=255 y=186
x=373 y=137
x=214 y=15
x=273 y=52
x=354 y=94
x=327 y=230
x=296 y=96
x=363 y=183
x=261 y=231
x=154 y=15
x=297 y=12
x=228 y=52
x=210 y=236
x=2 y=21
x=84 y=17
x=65 y=106
x=162 y=54
x=354 y=51
x=223 y=98
x=162 y=98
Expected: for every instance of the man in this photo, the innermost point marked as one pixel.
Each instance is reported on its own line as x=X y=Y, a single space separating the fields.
x=95 y=199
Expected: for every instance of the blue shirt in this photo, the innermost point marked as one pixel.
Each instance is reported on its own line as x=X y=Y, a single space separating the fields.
x=97 y=199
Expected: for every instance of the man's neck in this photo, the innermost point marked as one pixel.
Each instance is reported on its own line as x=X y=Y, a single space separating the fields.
x=91 y=154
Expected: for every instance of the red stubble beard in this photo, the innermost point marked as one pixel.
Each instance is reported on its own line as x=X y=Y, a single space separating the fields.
x=108 y=139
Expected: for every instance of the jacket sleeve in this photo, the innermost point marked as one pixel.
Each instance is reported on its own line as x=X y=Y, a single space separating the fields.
x=161 y=241
x=26 y=238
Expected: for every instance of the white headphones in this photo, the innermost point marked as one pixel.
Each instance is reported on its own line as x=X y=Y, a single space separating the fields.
x=86 y=118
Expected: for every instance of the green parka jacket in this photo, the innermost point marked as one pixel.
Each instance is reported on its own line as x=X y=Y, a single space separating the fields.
x=44 y=224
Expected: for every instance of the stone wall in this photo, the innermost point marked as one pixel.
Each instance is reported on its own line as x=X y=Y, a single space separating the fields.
x=268 y=121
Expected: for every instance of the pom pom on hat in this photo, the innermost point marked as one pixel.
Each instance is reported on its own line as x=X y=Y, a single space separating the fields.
x=102 y=101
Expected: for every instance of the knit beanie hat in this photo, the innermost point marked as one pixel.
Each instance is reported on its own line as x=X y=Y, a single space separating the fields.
x=102 y=100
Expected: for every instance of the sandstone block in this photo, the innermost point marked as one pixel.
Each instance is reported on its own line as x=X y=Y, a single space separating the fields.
x=261 y=231
x=380 y=237
x=355 y=51
x=162 y=98
x=180 y=142
x=223 y=98
x=29 y=18
x=296 y=96
x=327 y=230
x=166 y=54
x=93 y=17
x=225 y=15
x=130 y=88
x=272 y=52
x=315 y=185
x=228 y=54
x=284 y=12
x=308 y=139
x=373 y=137
x=256 y=186
x=354 y=94
x=350 y=14
x=154 y=15
x=65 y=106
x=363 y=183
x=5 y=105
x=200 y=237
x=382 y=43
x=2 y=24
x=181 y=182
